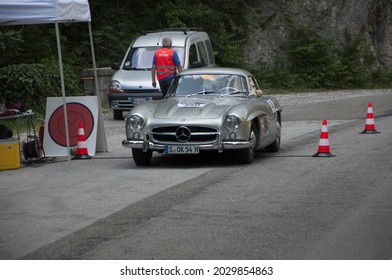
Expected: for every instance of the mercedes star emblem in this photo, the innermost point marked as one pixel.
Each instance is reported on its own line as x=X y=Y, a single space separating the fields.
x=183 y=134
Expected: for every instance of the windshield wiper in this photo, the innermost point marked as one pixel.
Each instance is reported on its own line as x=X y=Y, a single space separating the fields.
x=204 y=91
x=233 y=92
x=136 y=69
x=141 y=69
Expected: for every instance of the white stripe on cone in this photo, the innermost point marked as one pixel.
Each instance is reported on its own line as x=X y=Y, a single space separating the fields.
x=324 y=142
x=370 y=121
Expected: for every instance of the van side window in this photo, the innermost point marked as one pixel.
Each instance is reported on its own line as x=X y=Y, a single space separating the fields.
x=210 y=53
x=192 y=54
x=203 y=53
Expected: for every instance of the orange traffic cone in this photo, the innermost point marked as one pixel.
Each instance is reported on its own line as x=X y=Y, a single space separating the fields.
x=81 y=147
x=370 y=127
x=323 y=148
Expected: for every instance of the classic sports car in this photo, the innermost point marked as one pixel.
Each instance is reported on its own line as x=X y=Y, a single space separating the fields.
x=206 y=109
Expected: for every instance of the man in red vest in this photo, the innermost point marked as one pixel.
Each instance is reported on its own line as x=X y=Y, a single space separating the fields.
x=164 y=65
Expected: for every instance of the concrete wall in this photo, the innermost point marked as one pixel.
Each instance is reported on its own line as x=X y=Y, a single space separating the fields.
x=104 y=77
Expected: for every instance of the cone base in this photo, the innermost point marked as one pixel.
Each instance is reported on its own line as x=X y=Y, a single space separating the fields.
x=323 y=155
x=82 y=157
x=369 y=132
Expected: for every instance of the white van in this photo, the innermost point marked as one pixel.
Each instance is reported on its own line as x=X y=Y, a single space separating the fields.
x=132 y=83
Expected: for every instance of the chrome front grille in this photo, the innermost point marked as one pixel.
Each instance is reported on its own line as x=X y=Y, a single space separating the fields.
x=184 y=134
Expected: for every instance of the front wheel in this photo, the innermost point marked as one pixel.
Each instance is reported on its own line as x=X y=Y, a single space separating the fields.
x=141 y=158
x=275 y=146
x=247 y=155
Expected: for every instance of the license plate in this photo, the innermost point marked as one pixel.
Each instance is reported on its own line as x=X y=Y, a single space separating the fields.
x=139 y=100
x=169 y=149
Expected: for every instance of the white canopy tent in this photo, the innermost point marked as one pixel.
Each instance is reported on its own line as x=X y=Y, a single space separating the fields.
x=24 y=12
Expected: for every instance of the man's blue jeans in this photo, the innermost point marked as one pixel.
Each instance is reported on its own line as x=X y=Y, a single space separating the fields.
x=164 y=85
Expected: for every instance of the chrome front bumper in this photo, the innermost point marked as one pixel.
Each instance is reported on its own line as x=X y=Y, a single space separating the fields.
x=218 y=145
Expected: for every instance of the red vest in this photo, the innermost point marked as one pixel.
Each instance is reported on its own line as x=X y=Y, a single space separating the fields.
x=164 y=63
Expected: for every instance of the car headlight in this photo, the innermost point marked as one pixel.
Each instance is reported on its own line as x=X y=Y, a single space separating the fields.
x=135 y=122
x=232 y=123
x=115 y=86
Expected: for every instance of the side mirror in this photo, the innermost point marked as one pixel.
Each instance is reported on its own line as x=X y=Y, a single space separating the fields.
x=115 y=66
x=196 y=64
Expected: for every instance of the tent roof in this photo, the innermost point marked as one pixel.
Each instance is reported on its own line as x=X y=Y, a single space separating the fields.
x=21 y=12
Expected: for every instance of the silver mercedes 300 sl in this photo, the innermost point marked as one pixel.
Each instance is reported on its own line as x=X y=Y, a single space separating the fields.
x=206 y=109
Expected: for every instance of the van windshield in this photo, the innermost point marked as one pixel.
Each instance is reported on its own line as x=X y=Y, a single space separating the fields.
x=141 y=58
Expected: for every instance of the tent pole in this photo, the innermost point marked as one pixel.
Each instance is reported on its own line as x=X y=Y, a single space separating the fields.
x=102 y=145
x=63 y=90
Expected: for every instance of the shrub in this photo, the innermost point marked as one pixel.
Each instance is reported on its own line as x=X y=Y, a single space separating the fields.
x=31 y=84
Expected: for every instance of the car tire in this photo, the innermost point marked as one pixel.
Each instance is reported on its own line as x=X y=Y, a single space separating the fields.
x=246 y=156
x=117 y=114
x=141 y=158
x=275 y=146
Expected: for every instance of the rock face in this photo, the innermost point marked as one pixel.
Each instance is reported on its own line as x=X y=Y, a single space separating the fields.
x=275 y=19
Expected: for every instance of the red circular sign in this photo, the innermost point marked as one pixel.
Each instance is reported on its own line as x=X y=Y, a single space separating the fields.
x=76 y=112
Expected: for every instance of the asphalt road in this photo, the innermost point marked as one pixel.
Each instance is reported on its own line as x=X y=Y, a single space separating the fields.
x=288 y=205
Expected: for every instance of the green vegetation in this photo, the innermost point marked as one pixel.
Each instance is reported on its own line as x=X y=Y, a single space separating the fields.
x=29 y=70
x=318 y=62
x=31 y=84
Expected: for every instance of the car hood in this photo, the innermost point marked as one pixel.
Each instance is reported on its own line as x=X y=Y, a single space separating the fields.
x=176 y=107
x=134 y=79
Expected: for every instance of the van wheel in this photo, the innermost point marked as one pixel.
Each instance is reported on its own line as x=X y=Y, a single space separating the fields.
x=117 y=115
x=141 y=158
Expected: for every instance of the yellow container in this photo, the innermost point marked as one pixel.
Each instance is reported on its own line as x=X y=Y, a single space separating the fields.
x=9 y=154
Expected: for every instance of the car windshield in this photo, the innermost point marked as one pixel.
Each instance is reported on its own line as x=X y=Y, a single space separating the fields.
x=141 y=58
x=218 y=84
